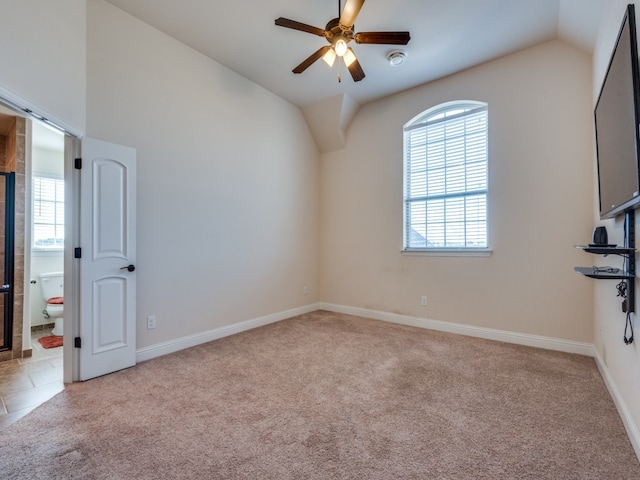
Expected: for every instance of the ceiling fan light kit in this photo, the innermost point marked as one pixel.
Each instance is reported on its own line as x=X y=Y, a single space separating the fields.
x=349 y=57
x=339 y=32
x=329 y=57
x=340 y=47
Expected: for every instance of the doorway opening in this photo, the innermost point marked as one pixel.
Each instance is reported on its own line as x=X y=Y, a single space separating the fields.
x=42 y=154
x=44 y=243
x=103 y=179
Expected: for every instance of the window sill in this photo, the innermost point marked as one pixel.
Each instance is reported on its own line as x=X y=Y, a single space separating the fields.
x=448 y=252
x=47 y=252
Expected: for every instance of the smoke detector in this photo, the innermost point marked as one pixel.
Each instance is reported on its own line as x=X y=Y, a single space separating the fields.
x=396 y=57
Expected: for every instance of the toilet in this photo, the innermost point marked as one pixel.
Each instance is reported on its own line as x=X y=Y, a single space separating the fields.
x=52 y=286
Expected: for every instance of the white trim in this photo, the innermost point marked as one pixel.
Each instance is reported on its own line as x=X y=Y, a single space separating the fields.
x=627 y=420
x=47 y=252
x=538 y=341
x=30 y=109
x=171 y=346
x=71 y=325
x=448 y=252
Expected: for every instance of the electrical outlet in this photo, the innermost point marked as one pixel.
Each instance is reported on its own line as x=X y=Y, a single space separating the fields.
x=423 y=301
x=151 y=322
x=305 y=290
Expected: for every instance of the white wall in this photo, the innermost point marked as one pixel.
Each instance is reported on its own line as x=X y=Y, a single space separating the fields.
x=49 y=162
x=227 y=180
x=42 y=58
x=541 y=196
x=622 y=361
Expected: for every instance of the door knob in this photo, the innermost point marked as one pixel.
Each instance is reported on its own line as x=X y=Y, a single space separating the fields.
x=130 y=268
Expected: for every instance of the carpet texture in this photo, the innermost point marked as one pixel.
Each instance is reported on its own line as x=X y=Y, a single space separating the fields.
x=50 y=341
x=330 y=396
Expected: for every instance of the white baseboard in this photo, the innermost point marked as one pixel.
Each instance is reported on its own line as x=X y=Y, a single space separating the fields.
x=568 y=346
x=627 y=420
x=159 y=349
x=538 y=341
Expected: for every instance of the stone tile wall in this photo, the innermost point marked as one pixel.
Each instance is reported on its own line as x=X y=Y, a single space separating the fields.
x=13 y=160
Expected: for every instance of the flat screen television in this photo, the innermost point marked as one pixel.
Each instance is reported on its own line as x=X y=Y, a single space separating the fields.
x=617 y=117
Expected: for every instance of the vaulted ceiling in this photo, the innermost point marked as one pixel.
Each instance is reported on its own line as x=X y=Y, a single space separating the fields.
x=447 y=36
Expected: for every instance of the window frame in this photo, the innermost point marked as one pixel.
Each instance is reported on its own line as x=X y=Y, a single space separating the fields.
x=39 y=249
x=422 y=121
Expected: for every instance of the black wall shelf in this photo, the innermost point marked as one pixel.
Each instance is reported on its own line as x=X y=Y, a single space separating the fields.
x=606 y=250
x=628 y=252
x=603 y=275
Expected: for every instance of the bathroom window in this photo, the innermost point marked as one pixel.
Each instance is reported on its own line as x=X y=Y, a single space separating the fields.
x=48 y=213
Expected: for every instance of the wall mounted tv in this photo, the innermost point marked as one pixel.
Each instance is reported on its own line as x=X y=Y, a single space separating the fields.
x=617 y=117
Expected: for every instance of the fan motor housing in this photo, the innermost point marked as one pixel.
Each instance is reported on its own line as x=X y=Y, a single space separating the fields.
x=334 y=30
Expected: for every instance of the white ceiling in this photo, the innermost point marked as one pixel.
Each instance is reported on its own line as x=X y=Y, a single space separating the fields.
x=46 y=137
x=447 y=36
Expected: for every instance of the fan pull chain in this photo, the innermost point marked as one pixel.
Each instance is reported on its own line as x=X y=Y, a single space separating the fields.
x=339 y=65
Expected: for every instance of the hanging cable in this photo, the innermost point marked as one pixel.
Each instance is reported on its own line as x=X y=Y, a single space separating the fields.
x=628 y=328
x=628 y=325
x=622 y=292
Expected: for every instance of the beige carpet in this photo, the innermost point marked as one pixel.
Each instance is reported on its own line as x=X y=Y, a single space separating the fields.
x=328 y=396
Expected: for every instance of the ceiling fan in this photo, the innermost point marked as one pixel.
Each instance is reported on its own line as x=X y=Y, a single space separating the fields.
x=339 y=32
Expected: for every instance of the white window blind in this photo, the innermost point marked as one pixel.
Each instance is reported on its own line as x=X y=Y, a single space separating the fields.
x=48 y=212
x=446 y=179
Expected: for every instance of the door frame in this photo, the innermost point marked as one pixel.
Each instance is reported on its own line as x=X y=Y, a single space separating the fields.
x=25 y=108
x=71 y=326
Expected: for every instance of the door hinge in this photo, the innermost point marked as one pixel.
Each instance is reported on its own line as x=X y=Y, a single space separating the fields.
x=77 y=342
x=77 y=252
x=78 y=164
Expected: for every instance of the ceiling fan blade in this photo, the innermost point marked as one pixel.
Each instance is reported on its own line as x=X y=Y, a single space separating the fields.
x=383 y=38
x=312 y=58
x=350 y=12
x=303 y=27
x=356 y=71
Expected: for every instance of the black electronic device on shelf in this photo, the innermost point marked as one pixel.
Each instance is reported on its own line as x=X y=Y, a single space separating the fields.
x=628 y=252
x=600 y=237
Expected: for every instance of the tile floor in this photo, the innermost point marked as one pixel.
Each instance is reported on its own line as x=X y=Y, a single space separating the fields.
x=28 y=382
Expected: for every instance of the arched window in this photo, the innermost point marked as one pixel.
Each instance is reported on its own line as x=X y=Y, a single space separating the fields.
x=446 y=178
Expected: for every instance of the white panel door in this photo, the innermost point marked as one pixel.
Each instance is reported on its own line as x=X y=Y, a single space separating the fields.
x=107 y=266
